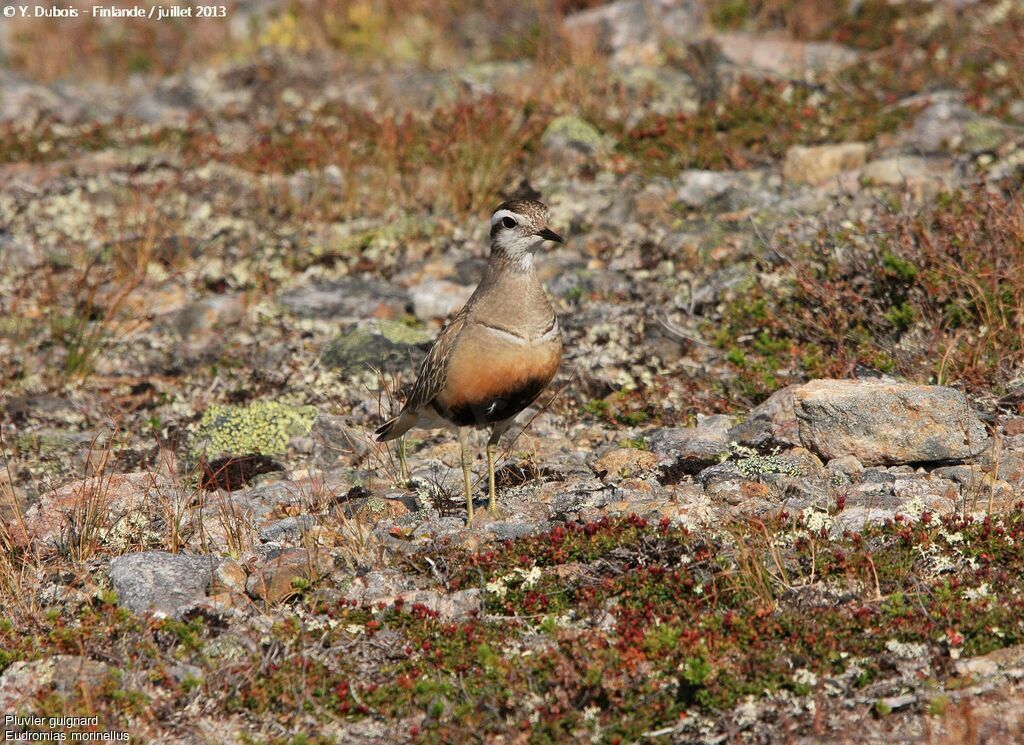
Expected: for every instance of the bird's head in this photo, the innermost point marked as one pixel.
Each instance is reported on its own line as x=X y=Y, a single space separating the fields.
x=519 y=227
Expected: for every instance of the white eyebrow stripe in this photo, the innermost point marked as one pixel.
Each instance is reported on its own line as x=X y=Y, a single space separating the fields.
x=501 y=214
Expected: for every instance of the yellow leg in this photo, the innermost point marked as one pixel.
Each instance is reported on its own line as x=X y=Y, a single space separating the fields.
x=467 y=473
x=492 y=499
x=403 y=464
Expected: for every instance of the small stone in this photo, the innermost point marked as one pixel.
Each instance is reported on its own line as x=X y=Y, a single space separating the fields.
x=984 y=135
x=228 y=576
x=196 y=322
x=336 y=440
x=699 y=188
x=287 y=530
x=160 y=582
x=666 y=91
x=948 y=124
x=126 y=503
x=372 y=510
x=848 y=465
x=263 y=427
x=1011 y=468
x=623 y=462
x=278 y=578
x=738 y=491
x=968 y=477
x=689 y=450
x=855 y=519
x=1013 y=426
x=301 y=186
x=895 y=171
x=333 y=175
x=893 y=703
x=438 y=298
x=988 y=665
x=822 y=163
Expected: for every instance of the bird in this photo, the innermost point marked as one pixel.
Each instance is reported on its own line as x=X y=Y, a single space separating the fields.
x=497 y=354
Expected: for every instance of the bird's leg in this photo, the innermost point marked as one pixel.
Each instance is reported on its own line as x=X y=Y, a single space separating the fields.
x=467 y=472
x=492 y=500
x=403 y=464
x=492 y=446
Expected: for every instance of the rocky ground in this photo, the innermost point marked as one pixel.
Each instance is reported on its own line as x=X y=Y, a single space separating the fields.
x=776 y=493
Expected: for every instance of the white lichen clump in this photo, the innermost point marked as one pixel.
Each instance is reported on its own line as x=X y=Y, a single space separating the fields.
x=752 y=464
x=524 y=578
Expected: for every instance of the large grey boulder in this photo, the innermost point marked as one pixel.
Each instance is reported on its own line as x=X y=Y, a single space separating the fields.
x=160 y=582
x=885 y=422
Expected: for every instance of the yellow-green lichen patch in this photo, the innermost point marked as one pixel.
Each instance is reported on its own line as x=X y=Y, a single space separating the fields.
x=262 y=427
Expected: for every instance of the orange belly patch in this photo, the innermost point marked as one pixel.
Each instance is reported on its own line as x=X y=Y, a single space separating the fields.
x=478 y=374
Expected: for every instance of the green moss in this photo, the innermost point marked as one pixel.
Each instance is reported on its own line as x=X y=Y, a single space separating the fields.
x=899 y=266
x=900 y=316
x=263 y=427
x=731 y=14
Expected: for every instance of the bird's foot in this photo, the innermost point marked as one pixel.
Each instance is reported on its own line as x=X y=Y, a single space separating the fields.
x=491 y=513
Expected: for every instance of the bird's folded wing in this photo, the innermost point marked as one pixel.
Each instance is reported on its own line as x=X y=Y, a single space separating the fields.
x=433 y=372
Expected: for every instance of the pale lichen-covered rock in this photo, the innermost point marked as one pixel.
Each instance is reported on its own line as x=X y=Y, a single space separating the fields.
x=23 y=684
x=262 y=427
x=632 y=31
x=570 y=135
x=782 y=56
x=887 y=422
x=123 y=510
x=449 y=606
x=699 y=188
x=665 y=90
x=898 y=170
x=822 y=163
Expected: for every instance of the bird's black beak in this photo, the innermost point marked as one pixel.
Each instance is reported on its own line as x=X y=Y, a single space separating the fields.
x=549 y=235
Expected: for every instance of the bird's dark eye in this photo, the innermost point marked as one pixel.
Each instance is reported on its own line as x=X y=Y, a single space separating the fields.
x=508 y=222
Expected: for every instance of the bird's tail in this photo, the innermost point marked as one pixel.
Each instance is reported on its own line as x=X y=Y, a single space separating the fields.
x=395 y=427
